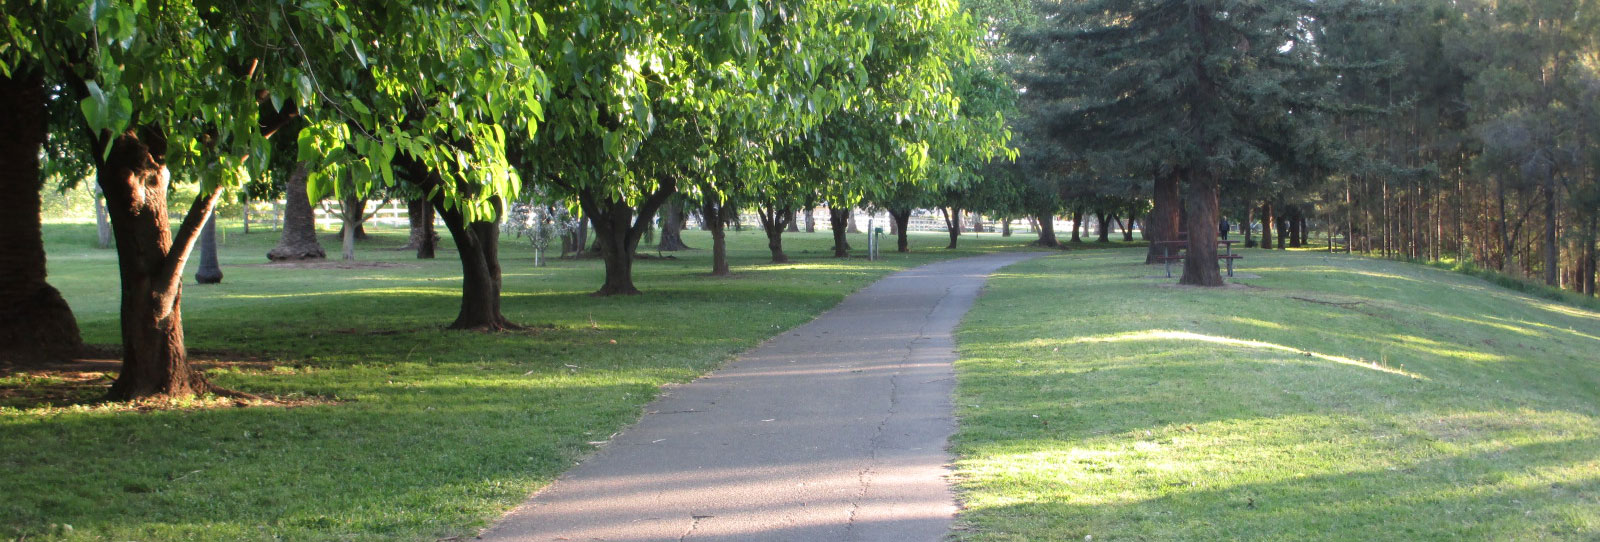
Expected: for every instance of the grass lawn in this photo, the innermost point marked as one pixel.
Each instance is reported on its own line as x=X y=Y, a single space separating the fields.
x=426 y=433
x=1332 y=398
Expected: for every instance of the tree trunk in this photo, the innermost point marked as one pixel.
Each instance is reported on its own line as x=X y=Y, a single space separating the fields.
x=711 y=215
x=210 y=272
x=1552 y=251
x=672 y=223
x=811 y=219
x=299 y=239
x=1283 y=227
x=35 y=322
x=901 y=218
x=1047 y=231
x=102 y=223
x=952 y=224
x=478 y=245
x=425 y=236
x=1294 y=227
x=1077 y=218
x=850 y=221
x=352 y=214
x=977 y=223
x=1267 y=223
x=150 y=261
x=794 y=222
x=1005 y=228
x=1200 y=263
x=1163 y=222
x=244 y=207
x=1245 y=227
x=774 y=220
x=839 y=219
x=1127 y=229
x=617 y=230
x=1102 y=226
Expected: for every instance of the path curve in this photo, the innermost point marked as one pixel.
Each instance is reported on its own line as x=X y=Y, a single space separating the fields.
x=832 y=431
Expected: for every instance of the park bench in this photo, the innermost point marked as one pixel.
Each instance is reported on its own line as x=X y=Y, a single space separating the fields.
x=1176 y=251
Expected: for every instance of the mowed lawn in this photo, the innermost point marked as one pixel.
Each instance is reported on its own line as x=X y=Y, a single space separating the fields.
x=1332 y=398
x=422 y=433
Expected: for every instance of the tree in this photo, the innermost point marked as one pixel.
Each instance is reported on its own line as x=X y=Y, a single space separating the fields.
x=1226 y=86
x=35 y=322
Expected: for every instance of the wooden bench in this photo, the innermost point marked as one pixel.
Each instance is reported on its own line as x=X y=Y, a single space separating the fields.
x=1177 y=251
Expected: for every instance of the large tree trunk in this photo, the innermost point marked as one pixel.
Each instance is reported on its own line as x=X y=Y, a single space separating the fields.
x=902 y=219
x=35 y=322
x=1267 y=222
x=711 y=212
x=811 y=219
x=1047 y=231
x=1162 y=226
x=672 y=223
x=1200 y=263
x=1283 y=229
x=773 y=221
x=299 y=240
x=850 y=221
x=839 y=219
x=1005 y=228
x=1102 y=226
x=952 y=224
x=478 y=244
x=1077 y=219
x=209 y=272
x=618 y=231
x=794 y=222
x=1127 y=228
x=150 y=260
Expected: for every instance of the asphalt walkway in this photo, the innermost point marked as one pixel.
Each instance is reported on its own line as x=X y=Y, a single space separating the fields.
x=833 y=431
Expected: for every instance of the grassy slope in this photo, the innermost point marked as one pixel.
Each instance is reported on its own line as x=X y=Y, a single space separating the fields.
x=437 y=432
x=1096 y=402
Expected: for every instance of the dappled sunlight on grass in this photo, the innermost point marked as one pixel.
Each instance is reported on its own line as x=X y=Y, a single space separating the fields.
x=1093 y=405
x=1166 y=335
x=435 y=432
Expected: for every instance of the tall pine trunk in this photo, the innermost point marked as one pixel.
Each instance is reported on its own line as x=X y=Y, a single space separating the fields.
x=1163 y=222
x=1267 y=223
x=1200 y=262
x=299 y=238
x=35 y=322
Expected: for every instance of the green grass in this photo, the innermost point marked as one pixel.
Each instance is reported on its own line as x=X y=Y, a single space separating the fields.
x=1424 y=405
x=433 y=433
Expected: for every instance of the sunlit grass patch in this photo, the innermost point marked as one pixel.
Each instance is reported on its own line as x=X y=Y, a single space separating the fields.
x=1383 y=404
x=409 y=431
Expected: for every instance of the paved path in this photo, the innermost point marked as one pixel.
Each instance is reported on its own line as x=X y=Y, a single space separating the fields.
x=833 y=431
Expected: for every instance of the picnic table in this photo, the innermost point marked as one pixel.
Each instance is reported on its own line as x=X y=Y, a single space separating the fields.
x=1176 y=251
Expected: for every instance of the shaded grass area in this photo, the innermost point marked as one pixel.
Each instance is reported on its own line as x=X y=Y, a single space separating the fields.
x=420 y=433
x=1333 y=398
